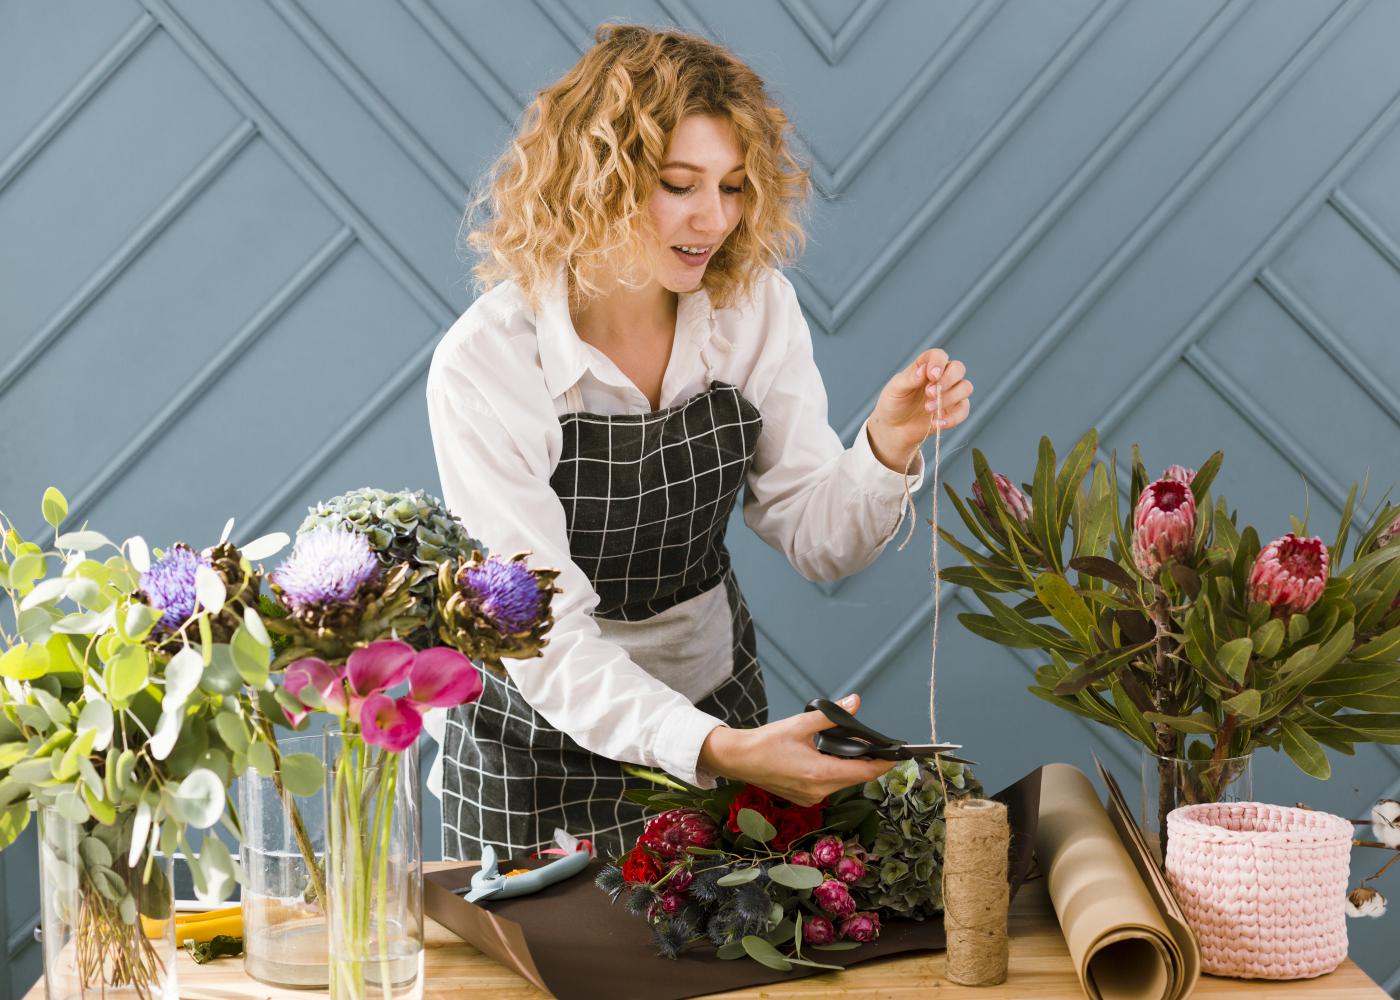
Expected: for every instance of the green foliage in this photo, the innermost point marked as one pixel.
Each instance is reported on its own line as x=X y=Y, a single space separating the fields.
x=1185 y=656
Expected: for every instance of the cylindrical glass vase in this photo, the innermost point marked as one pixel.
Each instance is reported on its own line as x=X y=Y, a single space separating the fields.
x=285 y=940
x=374 y=871
x=1196 y=779
x=108 y=920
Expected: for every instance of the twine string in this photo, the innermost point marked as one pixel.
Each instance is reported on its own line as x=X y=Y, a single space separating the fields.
x=935 y=428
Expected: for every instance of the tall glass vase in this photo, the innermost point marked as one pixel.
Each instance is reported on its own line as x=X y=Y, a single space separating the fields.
x=108 y=926
x=284 y=871
x=374 y=871
x=1195 y=779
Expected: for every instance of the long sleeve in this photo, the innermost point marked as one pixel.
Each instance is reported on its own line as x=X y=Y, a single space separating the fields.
x=496 y=481
x=830 y=509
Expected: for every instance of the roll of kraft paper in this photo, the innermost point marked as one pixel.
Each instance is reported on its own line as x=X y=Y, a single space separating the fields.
x=1125 y=934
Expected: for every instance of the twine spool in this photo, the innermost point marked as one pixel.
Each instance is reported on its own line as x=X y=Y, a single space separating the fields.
x=976 y=895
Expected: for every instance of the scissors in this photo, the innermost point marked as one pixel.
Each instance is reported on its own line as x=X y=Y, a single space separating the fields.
x=488 y=882
x=852 y=738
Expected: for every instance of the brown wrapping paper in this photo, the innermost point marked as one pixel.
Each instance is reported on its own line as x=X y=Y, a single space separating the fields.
x=1126 y=935
x=570 y=940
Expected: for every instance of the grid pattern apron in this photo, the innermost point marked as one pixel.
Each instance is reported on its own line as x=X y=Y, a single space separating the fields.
x=647 y=498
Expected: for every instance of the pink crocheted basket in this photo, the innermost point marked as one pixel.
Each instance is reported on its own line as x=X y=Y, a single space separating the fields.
x=1263 y=886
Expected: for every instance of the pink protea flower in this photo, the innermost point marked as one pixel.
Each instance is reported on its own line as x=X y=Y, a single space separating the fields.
x=1290 y=574
x=676 y=829
x=827 y=851
x=1017 y=504
x=1389 y=533
x=833 y=897
x=1164 y=523
x=1179 y=474
x=850 y=870
x=863 y=926
x=803 y=858
x=817 y=930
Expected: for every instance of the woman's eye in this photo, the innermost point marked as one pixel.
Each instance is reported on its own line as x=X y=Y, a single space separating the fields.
x=727 y=189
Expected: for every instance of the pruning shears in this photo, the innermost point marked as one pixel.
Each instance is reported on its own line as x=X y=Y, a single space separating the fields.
x=852 y=738
x=489 y=883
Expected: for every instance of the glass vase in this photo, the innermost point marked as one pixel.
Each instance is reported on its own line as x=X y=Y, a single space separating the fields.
x=284 y=864
x=374 y=871
x=1198 y=778
x=108 y=927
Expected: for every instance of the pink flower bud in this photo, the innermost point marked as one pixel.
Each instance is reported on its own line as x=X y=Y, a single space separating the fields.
x=1017 y=504
x=1389 y=533
x=1290 y=574
x=803 y=858
x=1179 y=474
x=833 y=897
x=850 y=870
x=863 y=926
x=672 y=902
x=817 y=930
x=827 y=852
x=1164 y=524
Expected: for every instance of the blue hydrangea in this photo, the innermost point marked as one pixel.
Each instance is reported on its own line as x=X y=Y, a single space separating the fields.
x=326 y=566
x=506 y=592
x=169 y=586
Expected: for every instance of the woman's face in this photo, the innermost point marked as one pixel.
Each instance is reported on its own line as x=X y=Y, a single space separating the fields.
x=698 y=201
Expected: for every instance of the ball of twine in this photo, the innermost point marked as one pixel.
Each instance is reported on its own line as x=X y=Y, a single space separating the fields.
x=976 y=895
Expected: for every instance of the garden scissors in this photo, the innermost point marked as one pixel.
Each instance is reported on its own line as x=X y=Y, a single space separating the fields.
x=488 y=882
x=853 y=738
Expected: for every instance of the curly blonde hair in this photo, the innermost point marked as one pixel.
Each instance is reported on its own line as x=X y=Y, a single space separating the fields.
x=574 y=182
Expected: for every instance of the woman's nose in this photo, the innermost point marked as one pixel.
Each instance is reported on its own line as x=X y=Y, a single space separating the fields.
x=709 y=215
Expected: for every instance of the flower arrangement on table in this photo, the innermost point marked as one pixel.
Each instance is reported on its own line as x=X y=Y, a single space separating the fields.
x=751 y=874
x=122 y=721
x=376 y=611
x=1179 y=628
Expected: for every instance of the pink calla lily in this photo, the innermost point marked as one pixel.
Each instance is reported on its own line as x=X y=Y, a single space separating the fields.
x=326 y=680
x=442 y=678
x=378 y=666
x=390 y=724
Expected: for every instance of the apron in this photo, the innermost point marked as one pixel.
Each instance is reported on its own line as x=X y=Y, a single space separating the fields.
x=646 y=498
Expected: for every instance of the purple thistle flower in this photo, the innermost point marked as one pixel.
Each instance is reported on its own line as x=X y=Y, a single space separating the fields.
x=169 y=586
x=326 y=566
x=504 y=591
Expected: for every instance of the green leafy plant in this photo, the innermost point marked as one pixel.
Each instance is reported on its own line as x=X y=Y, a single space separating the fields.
x=126 y=708
x=1175 y=625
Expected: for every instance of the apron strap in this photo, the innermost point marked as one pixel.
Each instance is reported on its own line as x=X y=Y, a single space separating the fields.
x=573 y=399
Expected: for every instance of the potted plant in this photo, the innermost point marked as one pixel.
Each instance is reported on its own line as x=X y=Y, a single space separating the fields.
x=1178 y=627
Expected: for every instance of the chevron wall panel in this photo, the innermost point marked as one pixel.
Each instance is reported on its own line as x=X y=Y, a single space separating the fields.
x=1177 y=222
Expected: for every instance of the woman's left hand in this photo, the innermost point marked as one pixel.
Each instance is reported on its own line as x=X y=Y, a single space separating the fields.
x=904 y=415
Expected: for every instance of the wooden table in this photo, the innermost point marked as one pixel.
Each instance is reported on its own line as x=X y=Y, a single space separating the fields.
x=1039 y=968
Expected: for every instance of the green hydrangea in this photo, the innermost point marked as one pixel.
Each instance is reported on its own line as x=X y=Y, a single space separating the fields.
x=909 y=840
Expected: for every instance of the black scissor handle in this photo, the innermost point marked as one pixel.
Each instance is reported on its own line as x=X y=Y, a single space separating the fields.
x=848 y=725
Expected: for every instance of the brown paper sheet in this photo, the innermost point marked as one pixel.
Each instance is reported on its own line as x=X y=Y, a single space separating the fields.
x=1126 y=935
x=570 y=940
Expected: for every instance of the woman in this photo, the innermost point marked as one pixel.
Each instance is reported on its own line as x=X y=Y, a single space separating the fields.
x=635 y=360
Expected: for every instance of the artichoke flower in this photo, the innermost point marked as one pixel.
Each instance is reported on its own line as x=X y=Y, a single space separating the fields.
x=1290 y=574
x=1017 y=504
x=1164 y=525
x=338 y=598
x=168 y=587
x=493 y=609
x=409 y=526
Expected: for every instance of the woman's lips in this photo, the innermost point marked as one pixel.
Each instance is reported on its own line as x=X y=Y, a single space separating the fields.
x=693 y=259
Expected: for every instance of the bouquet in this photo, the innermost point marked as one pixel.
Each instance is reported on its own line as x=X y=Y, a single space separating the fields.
x=753 y=875
x=123 y=720
x=1178 y=627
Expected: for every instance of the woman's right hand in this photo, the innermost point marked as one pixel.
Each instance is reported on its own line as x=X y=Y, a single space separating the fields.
x=781 y=758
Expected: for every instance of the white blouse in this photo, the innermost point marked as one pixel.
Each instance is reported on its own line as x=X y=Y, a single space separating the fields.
x=496 y=389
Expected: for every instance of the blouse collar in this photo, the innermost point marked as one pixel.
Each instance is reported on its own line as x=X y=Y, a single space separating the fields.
x=564 y=357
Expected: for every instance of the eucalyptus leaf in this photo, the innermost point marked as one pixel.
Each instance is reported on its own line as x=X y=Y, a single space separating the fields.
x=82 y=541
x=752 y=823
x=54 y=506
x=260 y=757
x=182 y=676
x=218 y=868
x=126 y=673
x=302 y=773
x=167 y=732
x=97 y=716
x=138 y=552
x=796 y=876
x=209 y=589
x=232 y=731
x=764 y=953
x=140 y=832
x=265 y=546
x=740 y=877
x=201 y=798
x=250 y=657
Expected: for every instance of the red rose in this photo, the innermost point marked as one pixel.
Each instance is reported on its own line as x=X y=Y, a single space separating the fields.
x=640 y=867
x=792 y=822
